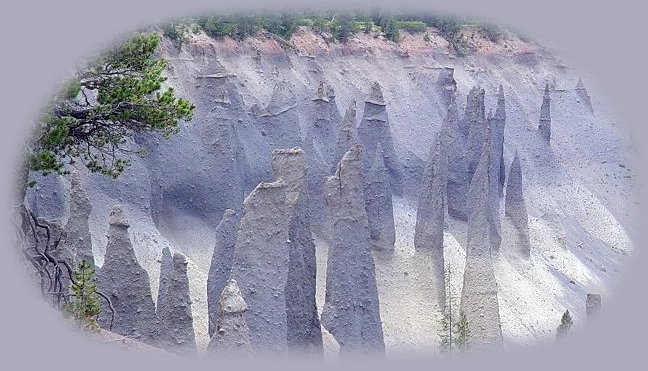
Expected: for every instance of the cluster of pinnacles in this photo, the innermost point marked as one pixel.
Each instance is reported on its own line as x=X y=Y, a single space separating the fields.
x=336 y=180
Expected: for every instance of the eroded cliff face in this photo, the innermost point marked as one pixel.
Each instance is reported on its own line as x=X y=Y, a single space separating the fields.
x=254 y=97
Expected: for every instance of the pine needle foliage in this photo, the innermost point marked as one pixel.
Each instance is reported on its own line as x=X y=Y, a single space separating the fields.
x=566 y=323
x=462 y=333
x=94 y=117
x=83 y=306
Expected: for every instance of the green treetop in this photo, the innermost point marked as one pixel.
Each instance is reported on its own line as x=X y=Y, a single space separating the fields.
x=83 y=306
x=93 y=117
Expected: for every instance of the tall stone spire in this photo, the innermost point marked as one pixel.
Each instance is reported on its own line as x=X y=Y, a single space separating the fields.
x=479 y=295
x=303 y=326
x=166 y=271
x=335 y=112
x=494 y=219
x=78 y=237
x=262 y=260
x=176 y=320
x=348 y=133
x=515 y=206
x=374 y=130
x=126 y=283
x=475 y=119
x=458 y=177
x=499 y=121
x=583 y=95
x=378 y=205
x=221 y=263
x=324 y=126
x=430 y=213
x=351 y=312
x=545 y=116
x=447 y=84
x=428 y=232
x=317 y=171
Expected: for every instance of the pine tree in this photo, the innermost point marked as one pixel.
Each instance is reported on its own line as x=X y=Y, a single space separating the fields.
x=446 y=332
x=391 y=31
x=116 y=95
x=445 y=346
x=463 y=333
x=454 y=335
x=83 y=306
x=566 y=323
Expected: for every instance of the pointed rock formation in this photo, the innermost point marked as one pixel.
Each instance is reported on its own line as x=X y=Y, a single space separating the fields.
x=475 y=123
x=458 y=177
x=303 y=326
x=335 y=112
x=494 y=219
x=176 y=320
x=127 y=285
x=317 y=171
x=545 y=116
x=280 y=101
x=479 y=295
x=428 y=232
x=324 y=129
x=79 y=240
x=515 y=206
x=376 y=98
x=351 y=312
x=499 y=121
x=430 y=212
x=224 y=102
x=583 y=95
x=166 y=273
x=374 y=130
x=261 y=262
x=280 y=121
x=232 y=334
x=221 y=264
x=348 y=133
x=378 y=205
x=447 y=84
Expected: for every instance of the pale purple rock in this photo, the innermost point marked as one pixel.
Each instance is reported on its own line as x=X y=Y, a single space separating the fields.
x=458 y=177
x=220 y=268
x=78 y=238
x=544 y=128
x=374 y=130
x=430 y=212
x=351 y=310
x=303 y=326
x=348 y=132
x=232 y=335
x=479 y=295
x=378 y=205
x=166 y=271
x=475 y=122
x=262 y=260
x=176 y=319
x=515 y=206
x=127 y=285
x=583 y=95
